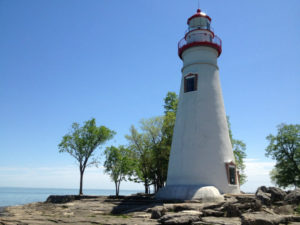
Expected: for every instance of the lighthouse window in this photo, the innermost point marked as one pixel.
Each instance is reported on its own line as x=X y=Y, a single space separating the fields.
x=190 y=82
x=208 y=26
x=231 y=173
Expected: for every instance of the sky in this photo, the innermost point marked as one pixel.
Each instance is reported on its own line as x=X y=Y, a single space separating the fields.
x=73 y=60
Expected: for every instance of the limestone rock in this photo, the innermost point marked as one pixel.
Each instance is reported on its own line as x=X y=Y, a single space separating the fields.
x=213 y=205
x=158 y=212
x=263 y=188
x=262 y=218
x=232 y=210
x=61 y=198
x=181 y=207
x=263 y=196
x=293 y=218
x=86 y=211
x=244 y=198
x=180 y=218
x=284 y=210
x=178 y=207
x=67 y=198
x=293 y=197
x=270 y=195
x=212 y=212
x=218 y=221
x=243 y=205
x=144 y=210
x=276 y=194
x=140 y=215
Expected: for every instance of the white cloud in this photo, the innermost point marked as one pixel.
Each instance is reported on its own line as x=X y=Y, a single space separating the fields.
x=257 y=172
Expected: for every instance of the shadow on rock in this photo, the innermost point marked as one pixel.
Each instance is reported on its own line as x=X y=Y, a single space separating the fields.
x=133 y=203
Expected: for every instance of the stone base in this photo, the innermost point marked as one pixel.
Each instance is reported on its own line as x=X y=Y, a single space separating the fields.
x=190 y=192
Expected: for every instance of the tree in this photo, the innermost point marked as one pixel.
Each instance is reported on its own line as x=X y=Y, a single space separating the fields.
x=152 y=146
x=171 y=102
x=118 y=164
x=284 y=147
x=162 y=156
x=153 y=135
x=81 y=143
x=140 y=147
x=239 y=151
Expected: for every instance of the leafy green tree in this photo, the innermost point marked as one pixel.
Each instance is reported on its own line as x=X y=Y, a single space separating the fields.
x=141 y=151
x=153 y=134
x=152 y=146
x=81 y=143
x=150 y=152
x=118 y=164
x=171 y=102
x=162 y=156
x=284 y=147
x=239 y=151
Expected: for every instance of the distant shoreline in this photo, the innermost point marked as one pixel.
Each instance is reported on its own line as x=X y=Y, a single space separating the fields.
x=12 y=196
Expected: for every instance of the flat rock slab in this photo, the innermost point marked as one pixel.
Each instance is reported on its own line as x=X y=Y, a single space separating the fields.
x=219 y=221
x=78 y=212
x=181 y=218
x=262 y=218
x=145 y=210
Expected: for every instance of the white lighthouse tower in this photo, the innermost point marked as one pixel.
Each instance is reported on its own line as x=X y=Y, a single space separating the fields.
x=201 y=153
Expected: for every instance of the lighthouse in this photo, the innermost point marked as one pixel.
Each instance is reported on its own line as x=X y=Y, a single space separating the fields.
x=201 y=160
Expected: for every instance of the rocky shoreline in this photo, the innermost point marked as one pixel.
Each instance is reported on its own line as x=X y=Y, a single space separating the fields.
x=269 y=206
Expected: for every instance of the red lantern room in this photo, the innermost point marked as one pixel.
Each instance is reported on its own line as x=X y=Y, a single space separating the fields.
x=199 y=33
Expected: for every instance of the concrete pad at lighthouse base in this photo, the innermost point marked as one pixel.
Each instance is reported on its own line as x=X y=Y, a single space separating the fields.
x=190 y=192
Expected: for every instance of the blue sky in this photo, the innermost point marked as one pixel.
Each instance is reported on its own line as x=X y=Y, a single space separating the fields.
x=68 y=61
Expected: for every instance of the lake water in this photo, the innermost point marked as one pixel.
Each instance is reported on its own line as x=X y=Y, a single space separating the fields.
x=10 y=196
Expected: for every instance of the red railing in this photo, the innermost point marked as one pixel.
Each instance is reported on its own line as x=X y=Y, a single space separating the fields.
x=199 y=39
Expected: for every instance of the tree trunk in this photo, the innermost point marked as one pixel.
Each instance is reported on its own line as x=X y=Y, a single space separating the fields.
x=116 y=185
x=146 y=187
x=119 y=187
x=81 y=182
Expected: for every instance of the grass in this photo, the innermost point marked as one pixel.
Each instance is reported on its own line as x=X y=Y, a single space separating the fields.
x=297 y=210
x=121 y=215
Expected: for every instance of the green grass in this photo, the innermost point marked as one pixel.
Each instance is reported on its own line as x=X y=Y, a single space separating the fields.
x=121 y=215
x=297 y=210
